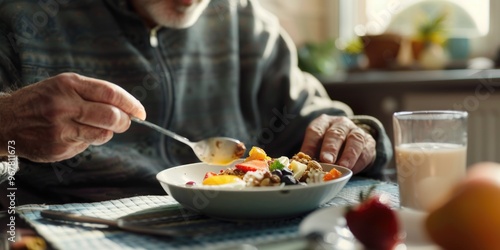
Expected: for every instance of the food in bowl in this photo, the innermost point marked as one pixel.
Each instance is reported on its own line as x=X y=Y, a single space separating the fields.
x=247 y=203
x=260 y=170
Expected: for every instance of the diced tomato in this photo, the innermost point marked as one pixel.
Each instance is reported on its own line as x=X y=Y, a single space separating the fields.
x=252 y=165
x=208 y=174
x=333 y=174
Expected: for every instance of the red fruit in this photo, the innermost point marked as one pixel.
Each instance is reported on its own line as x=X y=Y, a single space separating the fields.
x=252 y=165
x=208 y=174
x=374 y=224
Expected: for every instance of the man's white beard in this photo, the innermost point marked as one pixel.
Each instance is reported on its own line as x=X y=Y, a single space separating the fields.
x=190 y=16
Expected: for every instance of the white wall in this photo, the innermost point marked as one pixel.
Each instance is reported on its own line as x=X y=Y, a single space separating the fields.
x=306 y=20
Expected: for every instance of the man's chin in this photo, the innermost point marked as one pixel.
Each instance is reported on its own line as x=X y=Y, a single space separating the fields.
x=186 y=16
x=181 y=23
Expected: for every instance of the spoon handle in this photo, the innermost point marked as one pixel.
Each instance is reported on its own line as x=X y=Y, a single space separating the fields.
x=162 y=130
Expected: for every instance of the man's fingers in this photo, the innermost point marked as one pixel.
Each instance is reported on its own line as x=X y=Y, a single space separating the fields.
x=339 y=141
x=366 y=158
x=69 y=112
x=96 y=90
x=333 y=142
x=107 y=117
x=80 y=133
x=314 y=135
x=361 y=151
x=354 y=147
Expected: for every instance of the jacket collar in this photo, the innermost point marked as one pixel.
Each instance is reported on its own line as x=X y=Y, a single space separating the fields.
x=123 y=7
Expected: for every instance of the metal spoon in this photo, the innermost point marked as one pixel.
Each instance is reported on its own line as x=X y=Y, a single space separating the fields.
x=213 y=151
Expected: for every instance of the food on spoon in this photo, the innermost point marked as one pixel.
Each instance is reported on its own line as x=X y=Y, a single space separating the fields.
x=374 y=223
x=239 y=150
x=259 y=170
x=469 y=218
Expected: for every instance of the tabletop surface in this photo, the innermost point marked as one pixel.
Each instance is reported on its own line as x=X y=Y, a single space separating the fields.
x=219 y=234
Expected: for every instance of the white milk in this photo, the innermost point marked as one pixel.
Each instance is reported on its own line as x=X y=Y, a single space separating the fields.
x=427 y=171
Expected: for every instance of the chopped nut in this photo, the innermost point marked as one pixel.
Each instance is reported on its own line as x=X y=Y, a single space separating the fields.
x=312 y=164
x=265 y=182
x=302 y=157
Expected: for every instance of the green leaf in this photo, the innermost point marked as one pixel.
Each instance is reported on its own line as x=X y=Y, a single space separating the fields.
x=276 y=165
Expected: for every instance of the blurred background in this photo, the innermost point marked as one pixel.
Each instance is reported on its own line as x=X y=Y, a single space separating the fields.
x=383 y=56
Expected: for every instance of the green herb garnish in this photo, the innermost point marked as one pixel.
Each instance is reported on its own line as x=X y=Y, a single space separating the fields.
x=276 y=165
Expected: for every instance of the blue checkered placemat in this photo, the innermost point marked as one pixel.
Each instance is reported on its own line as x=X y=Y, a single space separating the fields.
x=226 y=236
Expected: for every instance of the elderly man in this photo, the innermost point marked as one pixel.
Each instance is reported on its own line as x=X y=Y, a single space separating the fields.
x=73 y=72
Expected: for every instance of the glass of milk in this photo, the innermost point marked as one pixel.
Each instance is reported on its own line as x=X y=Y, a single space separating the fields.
x=431 y=154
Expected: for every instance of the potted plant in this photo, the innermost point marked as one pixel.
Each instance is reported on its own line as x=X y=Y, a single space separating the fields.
x=382 y=50
x=318 y=58
x=351 y=51
x=429 y=41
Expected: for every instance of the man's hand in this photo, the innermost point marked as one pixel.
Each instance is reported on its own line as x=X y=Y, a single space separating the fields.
x=59 y=117
x=336 y=139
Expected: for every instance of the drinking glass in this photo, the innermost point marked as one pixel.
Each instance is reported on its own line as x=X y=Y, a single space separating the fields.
x=431 y=155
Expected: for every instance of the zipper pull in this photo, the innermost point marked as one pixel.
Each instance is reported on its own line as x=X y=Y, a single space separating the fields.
x=153 y=37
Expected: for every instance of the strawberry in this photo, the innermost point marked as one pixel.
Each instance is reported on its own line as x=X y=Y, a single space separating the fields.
x=252 y=165
x=374 y=223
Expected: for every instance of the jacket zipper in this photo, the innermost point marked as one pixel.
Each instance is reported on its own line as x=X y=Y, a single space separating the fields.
x=167 y=89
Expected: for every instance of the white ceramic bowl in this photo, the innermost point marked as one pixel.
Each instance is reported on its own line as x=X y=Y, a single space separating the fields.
x=248 y=203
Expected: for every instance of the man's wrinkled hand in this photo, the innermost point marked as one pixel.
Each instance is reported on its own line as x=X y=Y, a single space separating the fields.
x=337 y=140
x=61 y=116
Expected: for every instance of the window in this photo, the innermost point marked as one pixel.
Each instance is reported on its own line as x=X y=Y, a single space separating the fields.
x=318 y=20
x=374 y=16
x=469 y=19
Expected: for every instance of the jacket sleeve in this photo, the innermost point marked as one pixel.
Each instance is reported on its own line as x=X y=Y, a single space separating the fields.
x=9 y=64
x=4 y=174
x=8 y=168
x=289 y=99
